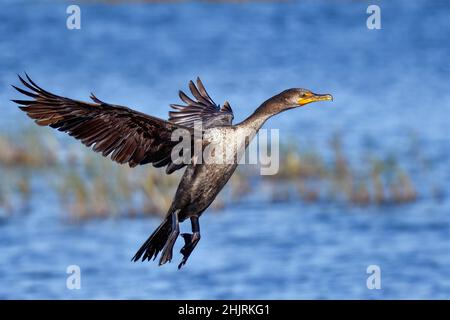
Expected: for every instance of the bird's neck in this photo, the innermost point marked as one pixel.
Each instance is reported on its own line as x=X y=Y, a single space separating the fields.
x=266 y=110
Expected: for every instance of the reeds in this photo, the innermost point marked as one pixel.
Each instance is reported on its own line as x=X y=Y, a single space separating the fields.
x=374 y=181
x=89 y=186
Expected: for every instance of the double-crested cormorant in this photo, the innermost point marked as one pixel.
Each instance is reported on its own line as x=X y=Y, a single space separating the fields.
x=136 y=138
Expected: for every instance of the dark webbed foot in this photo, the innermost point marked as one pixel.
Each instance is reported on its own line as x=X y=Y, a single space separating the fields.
x=190 y=241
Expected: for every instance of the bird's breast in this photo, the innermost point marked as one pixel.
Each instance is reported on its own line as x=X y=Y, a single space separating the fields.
x=226 y=145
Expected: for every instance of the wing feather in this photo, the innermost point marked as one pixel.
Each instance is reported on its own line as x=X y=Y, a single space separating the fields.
x=203 y=109
x=126 y=135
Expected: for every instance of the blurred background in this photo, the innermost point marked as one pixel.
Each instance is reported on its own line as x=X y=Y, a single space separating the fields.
x=363 y=180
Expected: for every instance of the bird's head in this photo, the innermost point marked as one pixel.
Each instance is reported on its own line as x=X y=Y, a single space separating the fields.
x=288 y=99
x=298 y=97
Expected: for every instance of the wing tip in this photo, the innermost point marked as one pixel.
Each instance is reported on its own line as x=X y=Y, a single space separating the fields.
x=23 y=108
x=95 y=99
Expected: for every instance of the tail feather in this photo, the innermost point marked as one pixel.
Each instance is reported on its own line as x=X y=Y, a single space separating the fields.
x=155 y=243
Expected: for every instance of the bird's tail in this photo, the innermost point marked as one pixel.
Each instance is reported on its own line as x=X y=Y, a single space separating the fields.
x=155 y=243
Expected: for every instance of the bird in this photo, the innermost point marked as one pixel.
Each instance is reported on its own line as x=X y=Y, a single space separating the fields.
x=130 y=137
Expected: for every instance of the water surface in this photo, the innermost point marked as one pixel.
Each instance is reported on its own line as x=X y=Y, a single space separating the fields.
x=389 y=85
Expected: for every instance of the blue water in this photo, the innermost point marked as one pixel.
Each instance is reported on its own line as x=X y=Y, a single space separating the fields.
x=389 y=85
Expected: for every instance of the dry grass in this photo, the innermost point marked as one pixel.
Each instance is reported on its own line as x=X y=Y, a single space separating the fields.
x=89 y=186
x=379 y=181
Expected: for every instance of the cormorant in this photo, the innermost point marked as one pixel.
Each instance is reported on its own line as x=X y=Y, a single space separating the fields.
x=135 y=138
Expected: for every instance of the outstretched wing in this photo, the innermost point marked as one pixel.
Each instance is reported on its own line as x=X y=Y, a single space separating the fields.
x=203 y=109
x=127 y=135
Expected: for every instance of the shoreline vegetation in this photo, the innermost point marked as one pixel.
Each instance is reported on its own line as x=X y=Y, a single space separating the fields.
x=86 y=185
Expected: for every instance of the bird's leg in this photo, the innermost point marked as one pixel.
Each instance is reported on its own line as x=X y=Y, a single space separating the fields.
x=190 y=241
x=168 y=247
